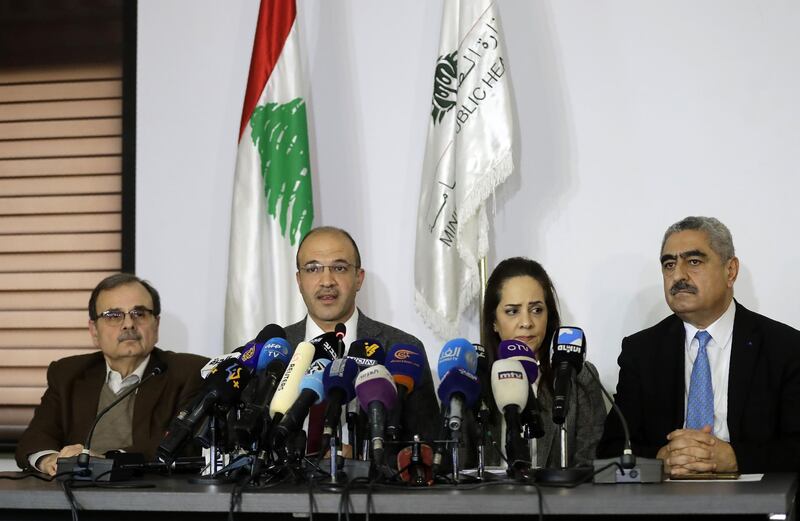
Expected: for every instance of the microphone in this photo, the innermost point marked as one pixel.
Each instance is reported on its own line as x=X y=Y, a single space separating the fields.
x=270 y=331
x=459 y=388
x=222 y=388
x=458 y=352
x=376 y=394
x=532 y=413
x=567 y=357
x=366 y=352
x=338 y=381
x=311 y=392
x=267 y=332
x=405 y=363
x=326 y=345
x=340 y=330
x=289 y=387
x=272 y=361
x=159 y=367
x=250 y=353
x=483 y=373
x=214 y=362
x=511 y=391
x=640 y=470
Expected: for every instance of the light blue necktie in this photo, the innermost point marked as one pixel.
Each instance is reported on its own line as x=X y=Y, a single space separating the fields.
x=700 y=404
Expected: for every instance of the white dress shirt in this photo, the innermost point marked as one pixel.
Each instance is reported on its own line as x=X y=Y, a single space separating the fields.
x=719 y=359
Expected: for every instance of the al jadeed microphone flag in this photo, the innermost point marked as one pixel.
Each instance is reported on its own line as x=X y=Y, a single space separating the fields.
x=468 y=154
x=272 y=200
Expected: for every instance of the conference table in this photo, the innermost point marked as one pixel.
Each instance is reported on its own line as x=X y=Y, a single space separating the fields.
x=175 y=498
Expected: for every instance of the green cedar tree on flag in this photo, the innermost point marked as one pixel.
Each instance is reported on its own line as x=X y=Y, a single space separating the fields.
x=468 y=154
x=272 y=205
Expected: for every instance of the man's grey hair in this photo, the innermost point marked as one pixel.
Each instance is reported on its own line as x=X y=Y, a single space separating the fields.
x=719 y=236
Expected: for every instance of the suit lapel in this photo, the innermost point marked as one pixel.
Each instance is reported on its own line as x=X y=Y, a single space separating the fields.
x=296 y=332
x=367 y=328
x=745 y=347
x=670 y=370
x=146 y=398
x=86 y=397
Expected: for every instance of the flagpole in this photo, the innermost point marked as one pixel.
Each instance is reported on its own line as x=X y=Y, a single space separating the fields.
x=482 y=275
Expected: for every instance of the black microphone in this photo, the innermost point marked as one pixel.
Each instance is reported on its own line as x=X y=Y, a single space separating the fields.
x=249 y=425
x=222 y=387
x=566 y=358
x=267 y=332
x=83 y=458
x=340 y=330
x=326 y=345
x=639 y=470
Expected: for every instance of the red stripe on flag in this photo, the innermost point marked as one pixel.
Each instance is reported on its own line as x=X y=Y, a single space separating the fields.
x=275 y=20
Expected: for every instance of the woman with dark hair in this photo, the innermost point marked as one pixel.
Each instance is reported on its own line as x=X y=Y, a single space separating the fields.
x=521 y=304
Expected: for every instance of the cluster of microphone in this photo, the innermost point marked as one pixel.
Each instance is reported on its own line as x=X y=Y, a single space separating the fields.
x=254 y=404
x=256 y=400
x=468 y=382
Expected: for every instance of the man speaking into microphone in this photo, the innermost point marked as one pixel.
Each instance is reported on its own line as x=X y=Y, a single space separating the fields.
x=123 y=323
x=329 y=275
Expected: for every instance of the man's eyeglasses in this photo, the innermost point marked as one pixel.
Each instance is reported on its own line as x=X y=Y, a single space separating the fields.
x=117 y=316
x=315 y=268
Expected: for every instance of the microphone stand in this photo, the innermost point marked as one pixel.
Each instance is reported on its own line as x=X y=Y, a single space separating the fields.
x=532 y=447
x=564 y=475
x=628 y=468
x=212 y=471
x=483 y=427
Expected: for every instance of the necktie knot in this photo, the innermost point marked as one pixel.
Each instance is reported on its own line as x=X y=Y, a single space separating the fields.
x=703 y=337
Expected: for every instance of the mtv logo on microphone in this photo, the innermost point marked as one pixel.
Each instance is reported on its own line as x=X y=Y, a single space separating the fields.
x=570 y=335
x=506 y=375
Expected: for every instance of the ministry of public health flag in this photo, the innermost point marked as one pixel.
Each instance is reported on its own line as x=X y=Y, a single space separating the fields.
x=468 y=154
x=272 y=206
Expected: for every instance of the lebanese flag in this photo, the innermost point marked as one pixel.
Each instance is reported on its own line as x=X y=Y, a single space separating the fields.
x=272 y=205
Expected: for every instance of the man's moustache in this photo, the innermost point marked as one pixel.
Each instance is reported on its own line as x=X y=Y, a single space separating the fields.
x=128 y=336
x=682 y=285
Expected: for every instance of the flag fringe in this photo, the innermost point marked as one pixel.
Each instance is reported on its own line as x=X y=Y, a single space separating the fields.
x=482 y=189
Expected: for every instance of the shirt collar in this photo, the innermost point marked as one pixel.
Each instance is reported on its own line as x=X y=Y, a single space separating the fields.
x=721 y=330
x=115 y=380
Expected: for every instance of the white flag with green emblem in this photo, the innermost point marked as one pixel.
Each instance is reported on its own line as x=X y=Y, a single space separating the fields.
x=468 y=154
x=272 y=203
